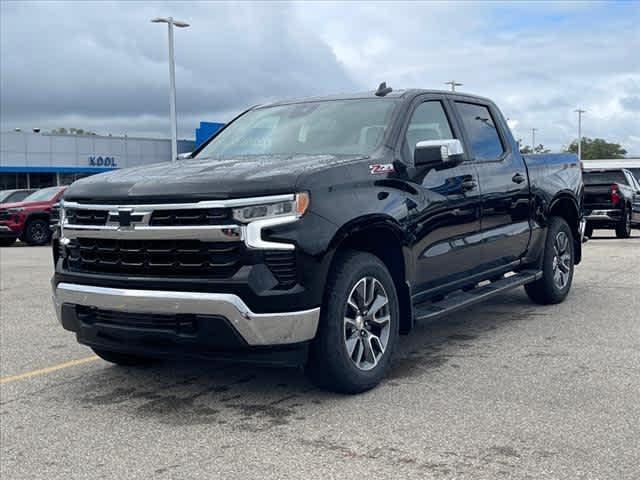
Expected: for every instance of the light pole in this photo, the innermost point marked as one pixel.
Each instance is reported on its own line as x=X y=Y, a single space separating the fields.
x=453 y=84
x=533 y=139
x=172 y=82
x=579 y=112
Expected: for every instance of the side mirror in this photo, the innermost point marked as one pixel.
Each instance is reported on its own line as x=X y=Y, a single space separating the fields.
x=439 y=154
x=184 y=156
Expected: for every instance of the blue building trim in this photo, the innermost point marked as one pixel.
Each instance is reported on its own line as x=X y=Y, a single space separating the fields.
x=205 y=131
x=55 y=169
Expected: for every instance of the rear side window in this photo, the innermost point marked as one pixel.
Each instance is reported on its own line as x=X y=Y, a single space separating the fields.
x=481 y=130
x=609 y=176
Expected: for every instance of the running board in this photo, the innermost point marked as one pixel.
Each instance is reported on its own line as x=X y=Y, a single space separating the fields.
x=456 y=301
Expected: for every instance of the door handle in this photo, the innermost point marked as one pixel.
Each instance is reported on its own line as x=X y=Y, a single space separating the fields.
x=468 y=185
x=518 y=178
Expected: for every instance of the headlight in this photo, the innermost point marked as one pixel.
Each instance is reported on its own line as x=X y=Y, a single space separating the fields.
x=296 y=207
x=13 y=211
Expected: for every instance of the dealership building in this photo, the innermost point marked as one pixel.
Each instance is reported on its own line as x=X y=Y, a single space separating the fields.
x=37 y=160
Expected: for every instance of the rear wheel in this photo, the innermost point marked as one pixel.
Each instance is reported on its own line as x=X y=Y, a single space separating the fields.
x=359 y=326
x=623 y=229
x=557 y=265
x=37 y=232
x=123 y=359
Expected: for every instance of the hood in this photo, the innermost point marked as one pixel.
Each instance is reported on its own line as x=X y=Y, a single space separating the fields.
x=204 y=178
x=25 y=205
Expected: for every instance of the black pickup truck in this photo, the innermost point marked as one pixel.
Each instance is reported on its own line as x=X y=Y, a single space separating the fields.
x=315 y=232
x=611 y=200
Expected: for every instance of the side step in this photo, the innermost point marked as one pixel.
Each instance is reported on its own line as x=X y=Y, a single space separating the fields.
x=456 y=301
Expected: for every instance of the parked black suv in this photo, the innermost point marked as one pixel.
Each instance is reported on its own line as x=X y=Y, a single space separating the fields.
x=316 y=231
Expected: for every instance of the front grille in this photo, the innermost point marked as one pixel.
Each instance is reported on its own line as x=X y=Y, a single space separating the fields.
x=167 y=258
x=191 y=217
x=4 y=215
x=180 y=324
x=283 y=266
x=76 y=216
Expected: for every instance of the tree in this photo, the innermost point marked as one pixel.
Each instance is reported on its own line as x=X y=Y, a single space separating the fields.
x=71 y=131
x=540 y=148
x=597 y=148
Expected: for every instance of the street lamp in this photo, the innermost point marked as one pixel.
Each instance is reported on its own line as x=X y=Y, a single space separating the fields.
x=579 y=112
x=453 y=84
x=172 y=80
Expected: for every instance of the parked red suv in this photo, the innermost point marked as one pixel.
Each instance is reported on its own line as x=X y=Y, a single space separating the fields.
x=28 y=220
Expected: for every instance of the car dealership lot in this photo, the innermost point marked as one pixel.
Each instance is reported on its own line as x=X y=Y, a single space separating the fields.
x=507 y=389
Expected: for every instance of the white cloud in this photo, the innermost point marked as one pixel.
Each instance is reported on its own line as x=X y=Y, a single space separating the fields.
x=103 y=65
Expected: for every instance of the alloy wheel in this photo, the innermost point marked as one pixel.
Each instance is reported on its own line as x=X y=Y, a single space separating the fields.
x=367 y=323
x=38 y=232
x=561 y=260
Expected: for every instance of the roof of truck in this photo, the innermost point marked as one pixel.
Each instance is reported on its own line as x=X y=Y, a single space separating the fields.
x=411 y=92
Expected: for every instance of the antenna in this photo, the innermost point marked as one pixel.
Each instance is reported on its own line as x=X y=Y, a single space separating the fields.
x=383 y=90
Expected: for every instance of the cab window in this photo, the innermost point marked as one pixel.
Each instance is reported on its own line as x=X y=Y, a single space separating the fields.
x=428 y=122
x=480 y=126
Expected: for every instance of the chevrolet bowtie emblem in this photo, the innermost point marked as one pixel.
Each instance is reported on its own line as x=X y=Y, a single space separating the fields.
x=124 y=218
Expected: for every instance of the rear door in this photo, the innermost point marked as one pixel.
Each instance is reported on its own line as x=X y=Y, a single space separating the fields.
x=504 y=183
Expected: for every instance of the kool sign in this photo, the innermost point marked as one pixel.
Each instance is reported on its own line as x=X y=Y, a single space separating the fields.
x=103 y=162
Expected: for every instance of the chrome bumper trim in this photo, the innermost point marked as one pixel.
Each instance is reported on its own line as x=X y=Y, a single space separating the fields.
x=256 y=328
x=4 y=228
x=217 y=233
x=230 y=203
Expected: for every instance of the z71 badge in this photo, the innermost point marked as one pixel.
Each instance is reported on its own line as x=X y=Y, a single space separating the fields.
x=381 y=168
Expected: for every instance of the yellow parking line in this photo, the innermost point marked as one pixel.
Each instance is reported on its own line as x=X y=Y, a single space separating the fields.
x=44 y=371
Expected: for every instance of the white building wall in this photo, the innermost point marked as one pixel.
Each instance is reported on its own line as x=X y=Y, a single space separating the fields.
x=34 y=151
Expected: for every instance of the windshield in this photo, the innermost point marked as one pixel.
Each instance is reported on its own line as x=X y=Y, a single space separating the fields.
x=42 y=195
x=610 y=176
x=4 y=194
x=347 y=127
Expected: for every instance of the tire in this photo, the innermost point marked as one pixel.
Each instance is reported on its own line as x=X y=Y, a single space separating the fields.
x=347 y=325
x=37 y=232
x=623 y=229
x=588 y=231
x=7 y=242
x=554 y=287
x=123 y=359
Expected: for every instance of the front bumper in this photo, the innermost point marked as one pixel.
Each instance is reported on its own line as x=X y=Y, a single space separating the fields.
x=211 y=312
x=7 y=232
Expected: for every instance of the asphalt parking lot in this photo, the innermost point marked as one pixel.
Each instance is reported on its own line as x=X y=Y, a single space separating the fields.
x=505 y=390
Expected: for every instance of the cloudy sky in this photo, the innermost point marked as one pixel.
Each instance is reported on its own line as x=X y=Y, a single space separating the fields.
x=103 y=66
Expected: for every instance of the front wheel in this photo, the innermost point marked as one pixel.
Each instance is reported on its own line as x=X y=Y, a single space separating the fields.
x=37 y=232
x=623 y=229
x=358 y=329
x=557 y=265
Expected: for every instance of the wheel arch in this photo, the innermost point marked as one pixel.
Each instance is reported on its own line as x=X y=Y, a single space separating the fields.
x=565 y=205
x=383 y=237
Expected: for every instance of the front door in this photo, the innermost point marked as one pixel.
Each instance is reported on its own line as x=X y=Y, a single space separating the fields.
x=446 y=227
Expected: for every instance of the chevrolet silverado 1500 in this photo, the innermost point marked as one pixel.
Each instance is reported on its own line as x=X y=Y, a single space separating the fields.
x=316 y=231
